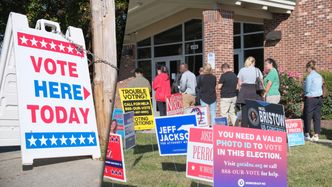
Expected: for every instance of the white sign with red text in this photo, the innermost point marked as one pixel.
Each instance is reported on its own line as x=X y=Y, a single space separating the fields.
x=56 y=110
x=200 y=154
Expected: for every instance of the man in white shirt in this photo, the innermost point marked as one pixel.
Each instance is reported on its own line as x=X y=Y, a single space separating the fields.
x=187 y=86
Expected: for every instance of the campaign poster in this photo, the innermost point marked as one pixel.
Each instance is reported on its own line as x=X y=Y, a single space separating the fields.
x=55 y=104
x=295 y=132
x=172 y=133
x=130 y=135
x=263 y=115
x=139 y=101
x=117 y=122
x=200 y=154
x=220 y=121
x=114 y=168
x=174 y=104
x=249 y=157
x=201 y=114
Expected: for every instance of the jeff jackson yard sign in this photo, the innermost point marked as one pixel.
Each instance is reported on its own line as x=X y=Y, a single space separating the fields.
x=56 y=111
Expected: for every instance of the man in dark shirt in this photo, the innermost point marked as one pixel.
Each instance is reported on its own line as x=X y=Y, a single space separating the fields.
x=228 y=85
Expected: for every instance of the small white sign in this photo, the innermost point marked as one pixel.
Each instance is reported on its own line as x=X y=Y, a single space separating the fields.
x=212 y=60
x=194 y=47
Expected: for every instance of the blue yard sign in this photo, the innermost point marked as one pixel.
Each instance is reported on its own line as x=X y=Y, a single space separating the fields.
x=172 y=133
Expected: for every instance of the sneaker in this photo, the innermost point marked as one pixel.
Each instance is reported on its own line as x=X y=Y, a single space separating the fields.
x=315 y=138
x=307 y=137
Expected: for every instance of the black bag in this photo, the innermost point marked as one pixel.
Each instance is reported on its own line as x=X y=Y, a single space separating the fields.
x=259 y=84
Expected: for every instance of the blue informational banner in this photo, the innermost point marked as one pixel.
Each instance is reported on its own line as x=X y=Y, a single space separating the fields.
x=172 y=133
x=220 y=121
x=130 y=135
x=118 y=116
x=295 y=132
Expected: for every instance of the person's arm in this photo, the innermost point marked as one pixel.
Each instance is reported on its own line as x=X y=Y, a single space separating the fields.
x=198 y=85
x=307 y=85
x=220 y=83
x=155 y=84
x=267 y=88
x=183 y=83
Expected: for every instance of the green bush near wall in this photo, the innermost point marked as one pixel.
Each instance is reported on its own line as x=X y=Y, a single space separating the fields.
x=327 y=105
x=291 y=89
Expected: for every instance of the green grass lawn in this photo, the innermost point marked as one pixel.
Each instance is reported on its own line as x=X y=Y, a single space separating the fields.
x=308 y=166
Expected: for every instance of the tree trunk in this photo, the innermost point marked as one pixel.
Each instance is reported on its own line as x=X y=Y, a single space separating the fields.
x=105 y=77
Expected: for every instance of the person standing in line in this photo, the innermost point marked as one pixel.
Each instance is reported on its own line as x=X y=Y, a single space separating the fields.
x=271 y=82
x=228 y=86
x=139 y=81
x=313 y=101
x=247 y=82
x=162 y=87
x=197 y=90
x=207 y=91
x=176 y=82
x=187 y=86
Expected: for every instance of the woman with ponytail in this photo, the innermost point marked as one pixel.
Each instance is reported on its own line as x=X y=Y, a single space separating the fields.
x=271 y=82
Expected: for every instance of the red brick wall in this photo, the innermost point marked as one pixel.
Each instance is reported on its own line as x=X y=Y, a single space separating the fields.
x=218 y=38
x=306 y=35
x=127 y=64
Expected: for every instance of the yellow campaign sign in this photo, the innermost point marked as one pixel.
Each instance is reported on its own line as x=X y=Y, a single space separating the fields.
x=139 y=101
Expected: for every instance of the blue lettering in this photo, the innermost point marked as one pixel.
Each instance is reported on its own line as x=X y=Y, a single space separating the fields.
x=39 y=88
x=54 y=90
x=77 y=92
x=65 y=90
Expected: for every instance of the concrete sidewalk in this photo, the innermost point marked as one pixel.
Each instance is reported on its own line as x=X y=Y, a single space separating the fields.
x=73 y=171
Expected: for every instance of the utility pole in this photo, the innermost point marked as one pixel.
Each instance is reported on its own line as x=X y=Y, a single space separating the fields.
x=105 y=77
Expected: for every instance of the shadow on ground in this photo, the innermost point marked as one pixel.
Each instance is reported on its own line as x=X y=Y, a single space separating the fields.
x=9 y=149
x=140 y=149
x=110 y=184
x=197 y=184
x=137 y=160
x=171 y=166
x=327 y=133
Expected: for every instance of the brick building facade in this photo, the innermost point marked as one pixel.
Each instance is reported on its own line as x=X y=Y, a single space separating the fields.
x=232 y=31
x=306 y=35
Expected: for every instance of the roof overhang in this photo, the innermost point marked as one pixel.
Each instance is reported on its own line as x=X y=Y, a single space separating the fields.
x=142 y=13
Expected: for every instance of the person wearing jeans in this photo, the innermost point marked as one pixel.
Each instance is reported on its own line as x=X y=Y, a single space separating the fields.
x=207 y=91
x=228 y=86
x=313 y=92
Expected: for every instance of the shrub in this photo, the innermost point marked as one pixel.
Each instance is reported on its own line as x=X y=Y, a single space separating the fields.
x=327 y=104
x=291 y=91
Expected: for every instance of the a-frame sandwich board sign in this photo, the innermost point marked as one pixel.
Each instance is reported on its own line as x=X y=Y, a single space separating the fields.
x=49 y=74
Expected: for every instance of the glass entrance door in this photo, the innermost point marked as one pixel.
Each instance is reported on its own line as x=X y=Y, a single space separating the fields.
x=172 y=64
x=238 y=61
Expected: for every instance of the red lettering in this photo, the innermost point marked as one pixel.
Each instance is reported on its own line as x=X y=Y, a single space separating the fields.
x=85 y=114
x=73 y=116
x=43 y=116
x=47 y=64
x=36 y=66
x=62 y=66
x=72 y=69
x=33 y=109
x=60 y=114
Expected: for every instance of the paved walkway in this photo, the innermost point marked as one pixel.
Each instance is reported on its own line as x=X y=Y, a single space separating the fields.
x=75 y=171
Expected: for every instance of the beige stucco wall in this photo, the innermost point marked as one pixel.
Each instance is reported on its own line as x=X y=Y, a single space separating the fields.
x=175 y=20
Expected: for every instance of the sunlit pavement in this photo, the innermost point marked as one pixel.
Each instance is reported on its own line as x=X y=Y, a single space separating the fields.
x=73 y=171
